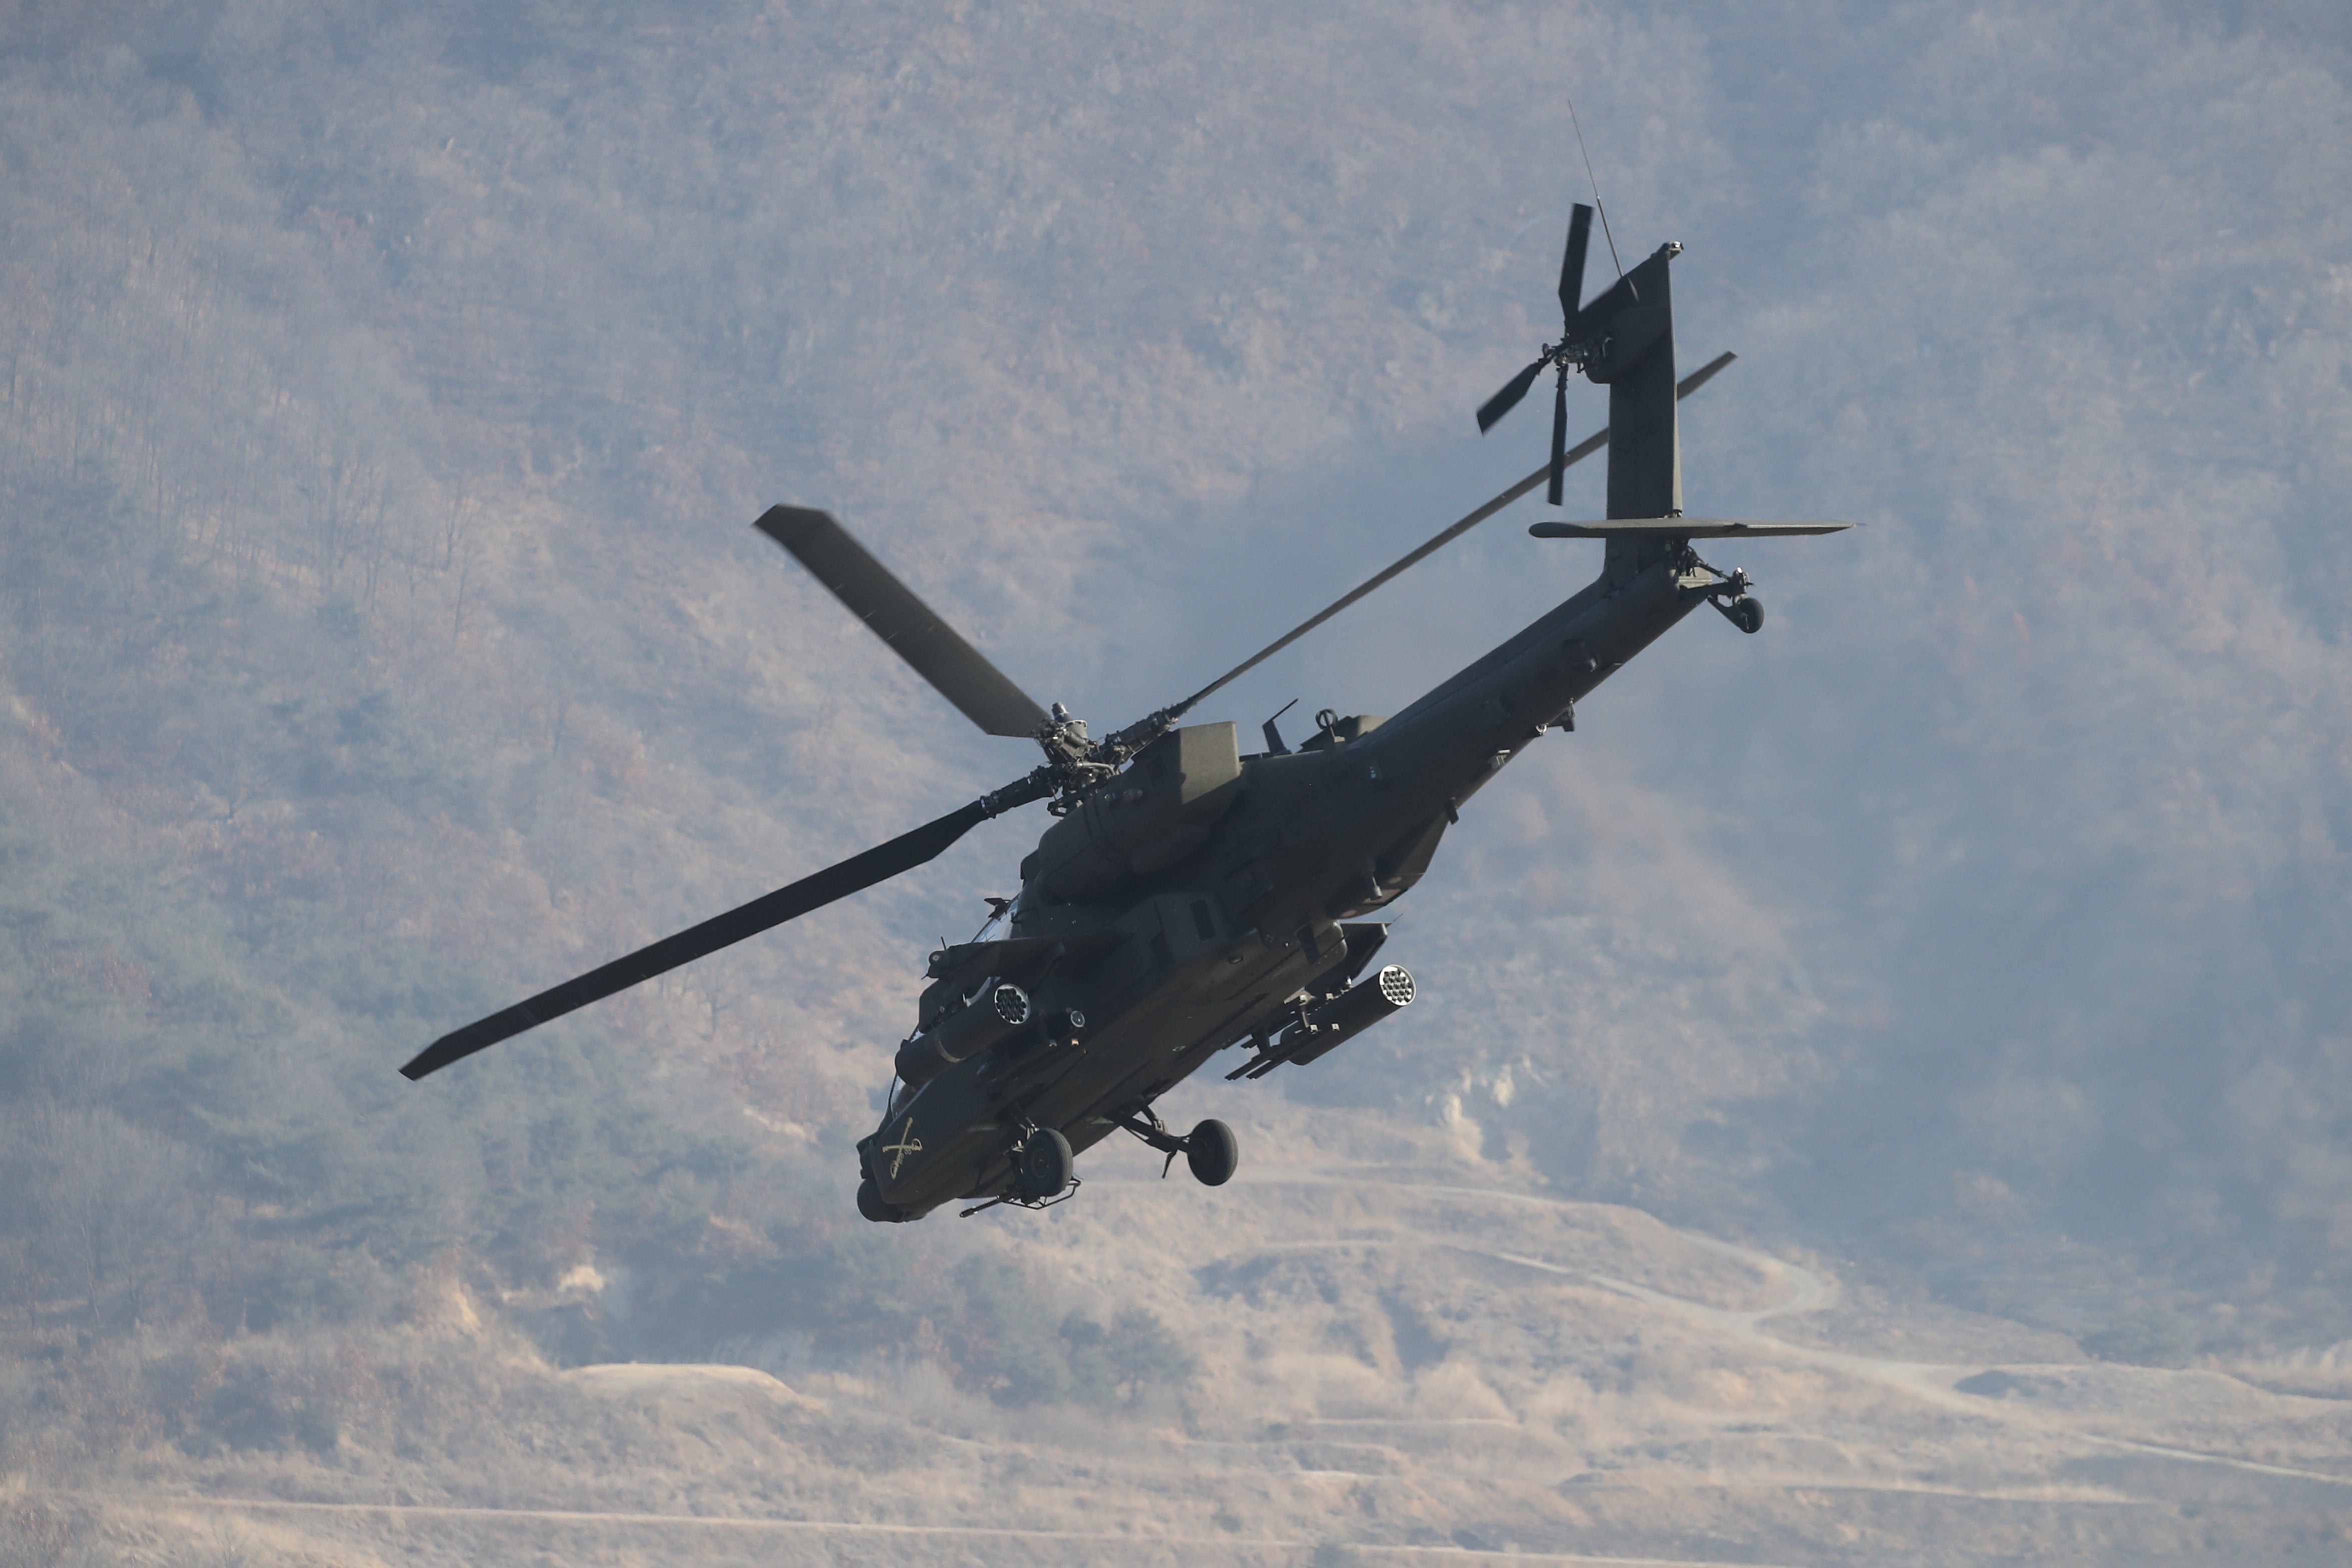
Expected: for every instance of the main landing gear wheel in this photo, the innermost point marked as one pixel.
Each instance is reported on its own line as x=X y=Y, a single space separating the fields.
x=1213 y=1153
x=1046 y=1165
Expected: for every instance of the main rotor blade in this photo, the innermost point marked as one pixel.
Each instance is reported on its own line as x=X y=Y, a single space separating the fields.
x=855 y=874
x=1576 y=453
x=1571 y=265
x=914 y=632
x=1502 y=401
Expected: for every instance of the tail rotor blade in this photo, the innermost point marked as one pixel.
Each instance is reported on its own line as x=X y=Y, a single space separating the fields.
x=855 y=874
x=1558 y=439
x=953 y=666
x=1571 y=265
x=1502 y=401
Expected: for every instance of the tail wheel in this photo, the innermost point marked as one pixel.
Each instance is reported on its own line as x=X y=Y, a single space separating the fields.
x=1213 y=1153
x=1046 y=1165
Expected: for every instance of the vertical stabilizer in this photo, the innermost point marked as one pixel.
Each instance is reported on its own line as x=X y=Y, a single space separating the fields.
x=1627 y=337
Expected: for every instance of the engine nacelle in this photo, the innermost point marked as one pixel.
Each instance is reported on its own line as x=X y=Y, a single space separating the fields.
x=1146 y=819
x=1346 y=1015
x=993 y=1011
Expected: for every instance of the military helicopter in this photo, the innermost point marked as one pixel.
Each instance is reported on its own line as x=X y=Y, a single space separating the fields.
x=1189 y=898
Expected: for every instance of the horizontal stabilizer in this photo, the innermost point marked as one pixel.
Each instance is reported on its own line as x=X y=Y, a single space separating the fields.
x=1683 y=529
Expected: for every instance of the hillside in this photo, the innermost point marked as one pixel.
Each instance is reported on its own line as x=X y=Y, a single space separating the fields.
x=388 y=393
x=1395 y=1361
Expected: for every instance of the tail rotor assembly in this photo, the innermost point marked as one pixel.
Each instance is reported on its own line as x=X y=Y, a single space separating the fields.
x=1560 y=357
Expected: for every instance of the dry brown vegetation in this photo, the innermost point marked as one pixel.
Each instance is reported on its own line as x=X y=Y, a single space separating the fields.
x=383 y=392
x=1394 y=1360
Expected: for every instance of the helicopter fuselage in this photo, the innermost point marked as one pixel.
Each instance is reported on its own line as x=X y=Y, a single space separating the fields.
x=1188 y=897
x=1227 y=894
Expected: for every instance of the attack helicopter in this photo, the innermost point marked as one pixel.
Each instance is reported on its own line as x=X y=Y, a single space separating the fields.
x=1189 y=898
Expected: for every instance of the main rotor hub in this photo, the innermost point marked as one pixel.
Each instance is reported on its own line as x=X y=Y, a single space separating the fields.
x=1075 y=763
x=1569 y=354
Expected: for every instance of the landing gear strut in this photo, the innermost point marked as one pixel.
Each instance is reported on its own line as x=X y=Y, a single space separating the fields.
x=1044 y=1173
x=1729 y=594
x=1211 y=1150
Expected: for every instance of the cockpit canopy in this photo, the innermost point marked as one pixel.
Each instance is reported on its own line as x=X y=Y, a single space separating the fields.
x=1331 y=730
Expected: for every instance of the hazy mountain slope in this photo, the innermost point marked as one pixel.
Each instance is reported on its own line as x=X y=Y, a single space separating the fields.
x=389 y=390
x=1398 y=1359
